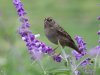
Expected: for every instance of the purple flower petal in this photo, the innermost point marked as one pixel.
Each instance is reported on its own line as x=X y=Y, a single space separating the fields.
x=86 y=62
x=98 y=18
x=81 y=46
x=76 y=54
x=94 y=51
x=57 y=58
x=98 y=32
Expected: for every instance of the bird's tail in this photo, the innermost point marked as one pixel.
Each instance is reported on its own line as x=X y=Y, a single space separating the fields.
x=76 y=48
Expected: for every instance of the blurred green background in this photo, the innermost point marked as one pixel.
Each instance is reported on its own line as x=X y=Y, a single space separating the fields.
x=77 y=17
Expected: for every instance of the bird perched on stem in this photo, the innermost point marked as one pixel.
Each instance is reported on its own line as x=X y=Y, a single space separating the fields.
x=56 y=33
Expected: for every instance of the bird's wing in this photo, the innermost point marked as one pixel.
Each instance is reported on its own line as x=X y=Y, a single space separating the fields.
x=62 y=32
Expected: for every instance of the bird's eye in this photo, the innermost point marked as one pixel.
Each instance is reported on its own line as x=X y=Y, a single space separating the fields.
x=49 y=20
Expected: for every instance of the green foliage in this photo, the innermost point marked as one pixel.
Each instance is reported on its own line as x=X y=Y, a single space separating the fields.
x=78 y=17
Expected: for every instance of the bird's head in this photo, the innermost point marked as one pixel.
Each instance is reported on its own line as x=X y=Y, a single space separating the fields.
x=49 y=22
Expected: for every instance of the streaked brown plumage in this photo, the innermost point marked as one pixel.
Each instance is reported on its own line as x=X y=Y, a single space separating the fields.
x=56 y=33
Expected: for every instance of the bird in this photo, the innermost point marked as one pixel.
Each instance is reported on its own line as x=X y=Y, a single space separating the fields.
x=56 y=34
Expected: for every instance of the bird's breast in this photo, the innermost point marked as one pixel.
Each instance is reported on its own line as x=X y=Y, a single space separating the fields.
x=51 y=35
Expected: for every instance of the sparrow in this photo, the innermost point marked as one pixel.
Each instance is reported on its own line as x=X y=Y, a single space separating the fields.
x=56 y=33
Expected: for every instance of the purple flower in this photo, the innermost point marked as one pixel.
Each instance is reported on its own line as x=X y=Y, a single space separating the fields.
x=19 y=7
x=81 y=46
x=77 y=72
x=94 y=51
x=86 y=62
x=98 y=32
x=76 y=54
x=98 y=18
x=35 y=47
x=99 y=35
x=57 y=58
